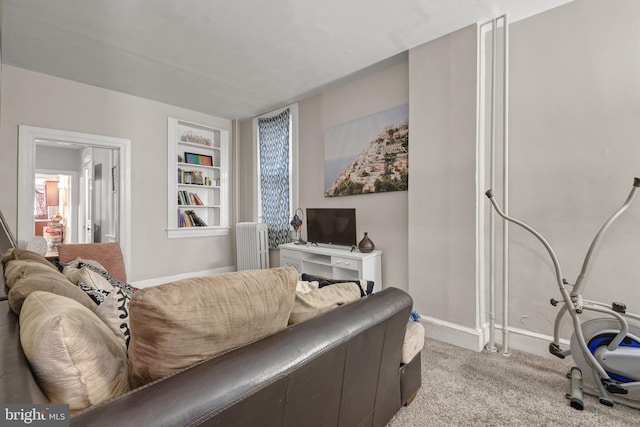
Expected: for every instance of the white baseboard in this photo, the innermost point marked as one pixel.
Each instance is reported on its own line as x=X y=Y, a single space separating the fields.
x=452 y=333
x=476 y=339
x=166 y=279
x=531 y=342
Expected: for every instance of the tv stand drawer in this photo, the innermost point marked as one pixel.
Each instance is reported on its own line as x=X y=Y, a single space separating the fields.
x=333 y=263
x=348 y=263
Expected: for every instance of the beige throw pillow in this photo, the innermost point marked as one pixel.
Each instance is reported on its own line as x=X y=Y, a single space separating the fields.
x=74 y=356
x=305 y=287
x=25 y=255
x=178 y=324
x=315 y=302
x=17 y=269
x=45 y=280
x=88 y=277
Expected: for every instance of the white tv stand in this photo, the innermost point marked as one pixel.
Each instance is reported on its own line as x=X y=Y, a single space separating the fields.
x=333 y=263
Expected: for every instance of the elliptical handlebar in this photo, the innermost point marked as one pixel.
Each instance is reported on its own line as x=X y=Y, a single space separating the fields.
x=585 y=266
x=596 y=240
x=554 y=258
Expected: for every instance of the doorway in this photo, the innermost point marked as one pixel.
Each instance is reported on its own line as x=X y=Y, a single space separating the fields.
x=118 y=180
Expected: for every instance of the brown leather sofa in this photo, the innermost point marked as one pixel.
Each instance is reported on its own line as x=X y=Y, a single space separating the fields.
x=342 y=368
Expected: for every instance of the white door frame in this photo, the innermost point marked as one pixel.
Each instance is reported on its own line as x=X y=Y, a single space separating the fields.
x=85 y=223
x=28 y=137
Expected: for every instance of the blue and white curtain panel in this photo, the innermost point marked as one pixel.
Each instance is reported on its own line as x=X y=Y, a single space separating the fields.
x=274 y=176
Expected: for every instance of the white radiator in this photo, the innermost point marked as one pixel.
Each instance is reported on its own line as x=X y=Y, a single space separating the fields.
x=252 y=246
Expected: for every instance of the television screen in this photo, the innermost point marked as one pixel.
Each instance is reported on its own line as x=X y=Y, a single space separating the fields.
x=331 y=226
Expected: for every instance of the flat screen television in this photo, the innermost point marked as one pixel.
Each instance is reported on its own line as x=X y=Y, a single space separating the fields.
x=331 y=226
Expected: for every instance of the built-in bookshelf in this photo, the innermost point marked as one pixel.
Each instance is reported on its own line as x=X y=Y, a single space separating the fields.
x=198 y=184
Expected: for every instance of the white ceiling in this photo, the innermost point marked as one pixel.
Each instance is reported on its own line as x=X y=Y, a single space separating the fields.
x=230 y=58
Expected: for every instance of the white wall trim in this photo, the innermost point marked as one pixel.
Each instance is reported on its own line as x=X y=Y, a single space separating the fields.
x=481 y=256
x=532 y=342
x=474 y=339
x=452 y=333
x=166 y=279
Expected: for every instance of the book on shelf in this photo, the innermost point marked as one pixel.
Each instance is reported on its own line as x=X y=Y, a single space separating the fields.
x=193 y=177
x=187 y=198
x=189 y=218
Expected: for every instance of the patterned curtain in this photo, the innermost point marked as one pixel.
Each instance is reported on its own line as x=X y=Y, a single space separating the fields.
x=273 y=134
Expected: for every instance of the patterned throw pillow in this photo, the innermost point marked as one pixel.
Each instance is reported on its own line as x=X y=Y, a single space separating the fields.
x=111 y=295
x=113 y=309
x=126 y=288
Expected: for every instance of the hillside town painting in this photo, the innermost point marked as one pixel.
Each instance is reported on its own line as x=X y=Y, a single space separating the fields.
x=368 y=155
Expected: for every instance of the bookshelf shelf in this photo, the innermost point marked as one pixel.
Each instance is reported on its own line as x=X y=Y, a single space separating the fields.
x=191 y=165
x=198 y=201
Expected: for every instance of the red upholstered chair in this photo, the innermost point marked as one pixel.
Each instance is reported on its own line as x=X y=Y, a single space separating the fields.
x=109 y=255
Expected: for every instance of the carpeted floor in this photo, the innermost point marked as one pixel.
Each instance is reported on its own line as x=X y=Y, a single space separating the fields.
x=465 y=388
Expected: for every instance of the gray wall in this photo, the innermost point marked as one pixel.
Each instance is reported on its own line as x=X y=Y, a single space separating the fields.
x=575 y=103
x=40 y=100
x=442 y=194
x=382 y=215
x=575 y=148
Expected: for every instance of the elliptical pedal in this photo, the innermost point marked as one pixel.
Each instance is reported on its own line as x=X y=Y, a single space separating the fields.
x=556 y=350
x=613 y=387
x=606 y=402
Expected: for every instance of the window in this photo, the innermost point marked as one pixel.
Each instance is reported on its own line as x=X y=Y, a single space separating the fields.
x=275 y=197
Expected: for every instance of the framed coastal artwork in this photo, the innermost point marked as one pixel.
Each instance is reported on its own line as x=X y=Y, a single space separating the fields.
x=368 y=155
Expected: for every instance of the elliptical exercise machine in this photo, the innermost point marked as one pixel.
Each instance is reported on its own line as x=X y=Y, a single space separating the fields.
x=606 y=348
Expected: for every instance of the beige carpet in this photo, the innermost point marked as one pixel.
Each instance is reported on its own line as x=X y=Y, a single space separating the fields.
x=465 y=388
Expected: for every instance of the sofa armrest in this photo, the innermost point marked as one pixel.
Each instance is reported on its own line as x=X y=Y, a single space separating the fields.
x=342 y=365
x=17 y=384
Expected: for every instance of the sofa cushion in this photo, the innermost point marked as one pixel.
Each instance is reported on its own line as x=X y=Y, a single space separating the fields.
x=311 y=303
x=74 y=356
x=178 y=324
x=24 y=255
x=45 y=280
x=15 y=270
x=413 y=341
